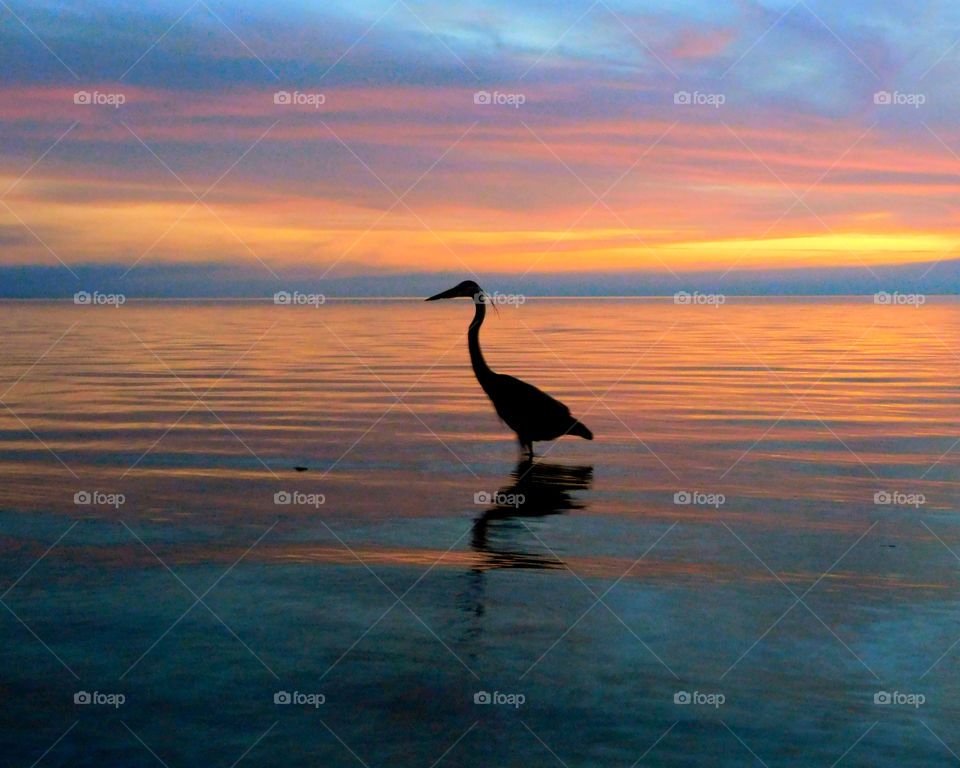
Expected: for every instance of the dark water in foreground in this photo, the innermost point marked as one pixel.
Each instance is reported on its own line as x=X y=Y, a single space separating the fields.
x=787 y=603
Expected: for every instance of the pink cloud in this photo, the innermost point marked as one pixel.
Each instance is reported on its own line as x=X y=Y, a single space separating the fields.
x=701 y=45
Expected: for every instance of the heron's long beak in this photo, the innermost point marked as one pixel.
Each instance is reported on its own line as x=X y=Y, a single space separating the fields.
x=450 y=294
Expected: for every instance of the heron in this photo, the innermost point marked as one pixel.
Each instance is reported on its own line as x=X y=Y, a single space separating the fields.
x=528 y=411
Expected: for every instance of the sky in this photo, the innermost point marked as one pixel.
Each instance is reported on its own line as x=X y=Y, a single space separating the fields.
x=238 y=148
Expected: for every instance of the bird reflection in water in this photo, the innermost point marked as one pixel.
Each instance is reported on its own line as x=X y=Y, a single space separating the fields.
x=537 y=489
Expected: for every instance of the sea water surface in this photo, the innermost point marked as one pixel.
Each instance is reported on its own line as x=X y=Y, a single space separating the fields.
x=754 y=563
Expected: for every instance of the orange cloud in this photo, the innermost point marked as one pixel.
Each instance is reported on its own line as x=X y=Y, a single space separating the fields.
x=512 y=193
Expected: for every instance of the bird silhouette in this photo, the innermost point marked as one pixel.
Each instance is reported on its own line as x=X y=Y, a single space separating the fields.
x=528 y=411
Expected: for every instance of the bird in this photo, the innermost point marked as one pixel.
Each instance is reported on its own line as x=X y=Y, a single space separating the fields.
x=530 y=412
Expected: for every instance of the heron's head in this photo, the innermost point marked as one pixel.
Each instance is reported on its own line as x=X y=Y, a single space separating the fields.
x=468 y=289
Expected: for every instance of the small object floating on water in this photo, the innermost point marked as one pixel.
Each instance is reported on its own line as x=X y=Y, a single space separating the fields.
x=889 y=546
x=301 y=469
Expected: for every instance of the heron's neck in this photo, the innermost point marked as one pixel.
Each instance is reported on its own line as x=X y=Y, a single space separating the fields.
x=480 y=367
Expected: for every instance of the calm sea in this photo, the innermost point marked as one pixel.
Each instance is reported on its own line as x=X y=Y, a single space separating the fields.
x=754 y=562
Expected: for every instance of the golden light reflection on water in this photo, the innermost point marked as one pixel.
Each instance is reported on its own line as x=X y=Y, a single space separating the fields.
x=818 y=400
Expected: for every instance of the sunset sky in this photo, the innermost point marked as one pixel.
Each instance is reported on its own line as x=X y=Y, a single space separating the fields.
x=590 y=163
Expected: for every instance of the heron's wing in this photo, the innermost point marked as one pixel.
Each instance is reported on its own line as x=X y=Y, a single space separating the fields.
x=527 y=394
x=529 y=411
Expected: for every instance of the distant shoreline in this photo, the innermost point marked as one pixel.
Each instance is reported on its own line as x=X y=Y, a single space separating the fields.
x=529 y=297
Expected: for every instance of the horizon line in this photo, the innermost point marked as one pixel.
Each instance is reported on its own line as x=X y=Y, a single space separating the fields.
x=551 y=297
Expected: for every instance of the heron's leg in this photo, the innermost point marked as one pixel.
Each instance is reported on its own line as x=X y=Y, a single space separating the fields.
x=527 y=448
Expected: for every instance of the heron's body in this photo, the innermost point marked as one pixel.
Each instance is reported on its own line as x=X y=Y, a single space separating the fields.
x=528 y=411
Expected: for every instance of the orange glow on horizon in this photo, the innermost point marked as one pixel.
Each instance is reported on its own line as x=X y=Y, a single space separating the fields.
x=321 y=188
